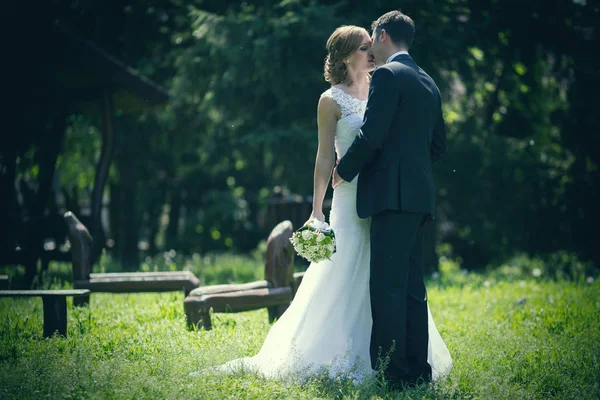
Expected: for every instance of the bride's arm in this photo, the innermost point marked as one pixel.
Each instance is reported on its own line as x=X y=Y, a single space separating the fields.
x=328 y=113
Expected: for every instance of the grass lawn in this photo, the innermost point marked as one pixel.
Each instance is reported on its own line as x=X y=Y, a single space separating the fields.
x=524 y=338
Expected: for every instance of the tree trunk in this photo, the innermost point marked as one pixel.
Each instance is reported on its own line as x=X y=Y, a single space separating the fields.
x=174 y=213
x=155 y=210
x=127 y=246
x=10 y=213
x=48 y=154
x=114 y=213
x=102 y=167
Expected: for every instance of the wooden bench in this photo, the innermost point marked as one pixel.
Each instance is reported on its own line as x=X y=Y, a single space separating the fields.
x=233 y=298
x=55 y=306
x=131 y=282
x=275 y=292
x=117 y=282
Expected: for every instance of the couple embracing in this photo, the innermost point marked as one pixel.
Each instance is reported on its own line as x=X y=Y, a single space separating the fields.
x=369 y=302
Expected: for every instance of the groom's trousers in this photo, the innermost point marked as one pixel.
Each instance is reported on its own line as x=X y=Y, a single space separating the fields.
x=398 y=296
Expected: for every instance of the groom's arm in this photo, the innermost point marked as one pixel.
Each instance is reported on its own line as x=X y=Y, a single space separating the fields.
x=381 y=108
x=438 y=141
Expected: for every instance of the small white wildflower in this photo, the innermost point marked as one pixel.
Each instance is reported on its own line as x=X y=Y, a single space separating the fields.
x=536 y=272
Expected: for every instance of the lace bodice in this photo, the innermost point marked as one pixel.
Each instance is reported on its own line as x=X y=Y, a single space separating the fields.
x=349 y=124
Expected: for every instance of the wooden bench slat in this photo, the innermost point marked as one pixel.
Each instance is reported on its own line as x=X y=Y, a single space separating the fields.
x=139 y=279
x=138 y=282
x=186 y=274
x=125 y=286
x=250 y=300
x=43 y=293
x=233 y=287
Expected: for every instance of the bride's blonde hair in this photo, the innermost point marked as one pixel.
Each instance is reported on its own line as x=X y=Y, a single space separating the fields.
x=344 y=41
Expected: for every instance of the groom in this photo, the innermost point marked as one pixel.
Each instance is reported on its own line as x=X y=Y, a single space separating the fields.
x=403 y=132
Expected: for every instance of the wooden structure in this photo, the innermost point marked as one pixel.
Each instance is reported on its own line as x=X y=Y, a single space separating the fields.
x=65 y=74
x=116 y=87
x=55 y=306
x=275 y=292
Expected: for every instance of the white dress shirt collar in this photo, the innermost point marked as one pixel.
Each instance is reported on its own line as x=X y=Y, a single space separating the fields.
x=395 y=55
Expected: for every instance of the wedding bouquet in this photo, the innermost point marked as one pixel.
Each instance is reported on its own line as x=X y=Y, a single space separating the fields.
x=315 y=241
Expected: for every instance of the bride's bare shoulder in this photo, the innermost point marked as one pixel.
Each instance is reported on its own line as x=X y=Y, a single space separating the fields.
x=327 y=104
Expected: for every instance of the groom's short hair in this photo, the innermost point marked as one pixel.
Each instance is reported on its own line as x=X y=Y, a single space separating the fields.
x=400 y=27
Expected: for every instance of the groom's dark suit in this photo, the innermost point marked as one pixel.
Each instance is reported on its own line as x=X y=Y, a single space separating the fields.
x=403 y=132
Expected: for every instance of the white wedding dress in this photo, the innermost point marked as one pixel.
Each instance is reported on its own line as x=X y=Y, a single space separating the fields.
x=327 y=327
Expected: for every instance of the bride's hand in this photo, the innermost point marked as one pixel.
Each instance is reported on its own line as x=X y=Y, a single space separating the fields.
x=315 y=215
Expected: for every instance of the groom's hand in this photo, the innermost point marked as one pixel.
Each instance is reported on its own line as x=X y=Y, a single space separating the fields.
x=337 y=179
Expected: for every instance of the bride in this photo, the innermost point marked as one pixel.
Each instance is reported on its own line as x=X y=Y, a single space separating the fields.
x=327 y=327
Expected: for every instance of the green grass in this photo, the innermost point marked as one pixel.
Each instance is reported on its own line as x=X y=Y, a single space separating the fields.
x=511 y=337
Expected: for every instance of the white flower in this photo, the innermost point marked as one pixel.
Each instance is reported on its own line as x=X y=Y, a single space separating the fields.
x=320 y=237
x=306 y=234
x=319 y=225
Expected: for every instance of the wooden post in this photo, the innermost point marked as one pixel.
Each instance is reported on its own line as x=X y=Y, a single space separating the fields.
x=196 y=317
x=81 y=241
x=55 y=315
x=279 y=264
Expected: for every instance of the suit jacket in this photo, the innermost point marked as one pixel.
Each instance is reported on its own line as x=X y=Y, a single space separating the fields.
x=403 y=133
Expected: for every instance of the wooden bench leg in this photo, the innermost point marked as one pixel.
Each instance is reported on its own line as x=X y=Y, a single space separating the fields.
x=81 y=301
x=197 y=318
x=276 y=312
x=55 y=315
x=206 y=322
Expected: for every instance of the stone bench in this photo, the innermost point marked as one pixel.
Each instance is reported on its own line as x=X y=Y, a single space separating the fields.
x=55 y=306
